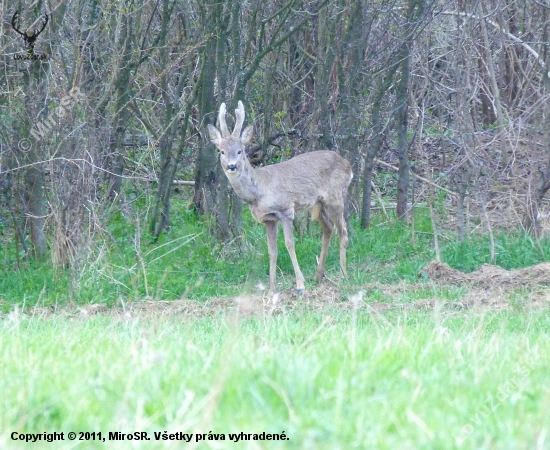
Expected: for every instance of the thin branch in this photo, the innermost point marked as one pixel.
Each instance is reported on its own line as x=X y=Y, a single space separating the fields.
x=425 y=180
x=500 y=29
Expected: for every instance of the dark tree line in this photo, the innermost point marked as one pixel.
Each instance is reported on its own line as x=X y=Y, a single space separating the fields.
x=454 y=93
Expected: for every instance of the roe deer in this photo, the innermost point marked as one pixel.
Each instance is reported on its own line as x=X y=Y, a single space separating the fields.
x=317 y=181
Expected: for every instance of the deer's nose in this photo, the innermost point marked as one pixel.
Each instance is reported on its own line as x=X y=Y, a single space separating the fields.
x=232 y=167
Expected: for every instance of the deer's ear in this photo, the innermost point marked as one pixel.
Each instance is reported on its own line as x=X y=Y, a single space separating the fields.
x=246 y=135
x=215 y=135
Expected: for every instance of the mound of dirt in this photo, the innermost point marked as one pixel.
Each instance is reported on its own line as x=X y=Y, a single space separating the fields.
x=488 y=276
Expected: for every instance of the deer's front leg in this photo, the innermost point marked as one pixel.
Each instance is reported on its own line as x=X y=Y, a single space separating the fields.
x=289 y=242
x=271 y=231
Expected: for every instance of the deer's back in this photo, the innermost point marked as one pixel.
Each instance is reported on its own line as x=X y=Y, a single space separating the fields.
x=300 y=183
x=313 y=166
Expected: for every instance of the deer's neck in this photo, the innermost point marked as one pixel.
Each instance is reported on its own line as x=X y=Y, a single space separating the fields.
x=245 y=184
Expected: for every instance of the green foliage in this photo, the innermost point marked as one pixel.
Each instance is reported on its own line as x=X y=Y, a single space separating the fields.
x=123 y=265
x=512 y=252
x=387 y=252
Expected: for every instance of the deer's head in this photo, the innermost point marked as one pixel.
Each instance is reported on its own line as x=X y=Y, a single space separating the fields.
x=231 y=146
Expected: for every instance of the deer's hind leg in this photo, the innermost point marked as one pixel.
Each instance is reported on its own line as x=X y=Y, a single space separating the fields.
x=337 y=215
x=320 y=215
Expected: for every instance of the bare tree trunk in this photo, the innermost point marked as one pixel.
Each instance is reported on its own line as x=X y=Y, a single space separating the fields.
x=34 y=173
x=222 y=62
x=206 y=173
x=352 y=84
x=160 y=219
x=374 y=146
x=36 y=208
x=326 y=52
x=415 y=11
x=122 y=84
x=402 y=112
x=494 y=87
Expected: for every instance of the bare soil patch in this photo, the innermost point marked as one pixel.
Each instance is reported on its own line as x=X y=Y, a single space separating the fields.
x=489 y=276
x=492 y=286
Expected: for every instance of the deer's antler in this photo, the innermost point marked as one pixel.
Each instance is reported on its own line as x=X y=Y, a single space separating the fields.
x=221 y=119
x=14 y=25
x=43 y=26
x=239 y=119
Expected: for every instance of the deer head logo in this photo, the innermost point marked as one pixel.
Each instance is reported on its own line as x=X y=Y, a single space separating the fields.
x=31 y=34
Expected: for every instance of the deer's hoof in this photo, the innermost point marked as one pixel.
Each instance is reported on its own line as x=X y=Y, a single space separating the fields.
x=299 y=291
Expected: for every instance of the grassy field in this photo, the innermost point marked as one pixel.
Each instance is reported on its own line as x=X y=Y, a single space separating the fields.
x=327 y=379
x=331 y=370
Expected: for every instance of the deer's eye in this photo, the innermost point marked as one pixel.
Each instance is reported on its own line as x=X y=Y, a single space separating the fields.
x=222 y=152
x=239 y=152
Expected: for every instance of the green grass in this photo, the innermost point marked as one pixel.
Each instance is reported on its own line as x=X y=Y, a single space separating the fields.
x=189 y=262
x=328 y=379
